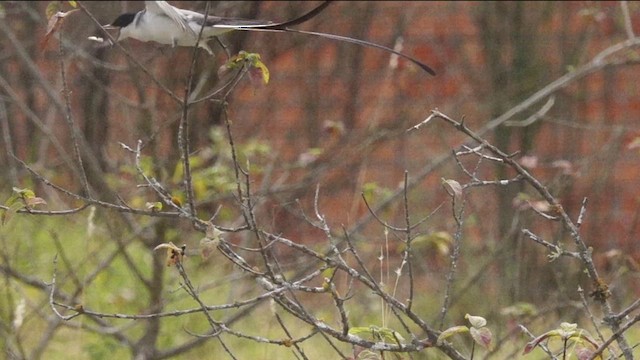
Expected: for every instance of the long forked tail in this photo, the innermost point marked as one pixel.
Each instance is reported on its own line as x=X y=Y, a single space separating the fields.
x=420 y=64
x=285 y=27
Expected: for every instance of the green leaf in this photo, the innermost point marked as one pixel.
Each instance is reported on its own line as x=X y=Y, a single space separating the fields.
x=251 y=60
x=20 y=199
x=567 y=330
x=450 y=332
x=73 y=3
x=390 y=335
x=376 y=333
x=369 y=189
x=153 y=206
x=52 y=8
x=6 y=215
x=24 y=193
x=263 y=69
x=359 y=331
x=12 y=199
x=328 y=272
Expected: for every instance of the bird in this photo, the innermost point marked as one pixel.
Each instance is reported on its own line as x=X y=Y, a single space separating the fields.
x=165 y=24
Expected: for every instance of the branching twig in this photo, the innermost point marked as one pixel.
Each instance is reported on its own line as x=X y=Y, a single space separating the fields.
x=215 y=325
x=457 y=213
x=53 y=291
x=616 y=336
x=601 y=292
x=541 y=345
x=556 y=251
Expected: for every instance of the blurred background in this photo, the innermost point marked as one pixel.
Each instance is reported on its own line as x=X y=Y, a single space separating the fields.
x=334 y=117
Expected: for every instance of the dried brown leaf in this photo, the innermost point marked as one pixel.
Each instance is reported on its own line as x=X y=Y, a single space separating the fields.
x=54 y=24
x=174 y=254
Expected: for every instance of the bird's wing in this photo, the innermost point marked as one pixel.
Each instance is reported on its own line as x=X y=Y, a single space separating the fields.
x=163 y=8
x=231 y=23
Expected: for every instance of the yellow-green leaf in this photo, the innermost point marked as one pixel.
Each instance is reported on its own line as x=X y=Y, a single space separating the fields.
x=251 y=60
x=52 y=8
x=328 y=272
x=377 y=333
x=450 y=332
x=24 y=193
x=263 y=68
x=153 y=206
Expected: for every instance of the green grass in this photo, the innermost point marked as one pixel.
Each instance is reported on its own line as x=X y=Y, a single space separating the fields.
x=29 y=248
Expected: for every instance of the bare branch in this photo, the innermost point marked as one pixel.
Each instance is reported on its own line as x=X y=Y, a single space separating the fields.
x=626 y=16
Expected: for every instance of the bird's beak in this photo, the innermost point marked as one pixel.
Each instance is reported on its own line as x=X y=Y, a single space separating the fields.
x=109 y=27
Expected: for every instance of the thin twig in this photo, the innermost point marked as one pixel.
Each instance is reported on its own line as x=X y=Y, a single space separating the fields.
x=615 y=336
x=626 y=16
x=53 y=291
x=592 y=318
x=631 y=308
x=583 y=212
x=601 y=290
x=457 y=212
x=73 y=130
x=541 y=345
x=556 y=250
x=408 y=240
x=183 y=129
x=215 y=325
